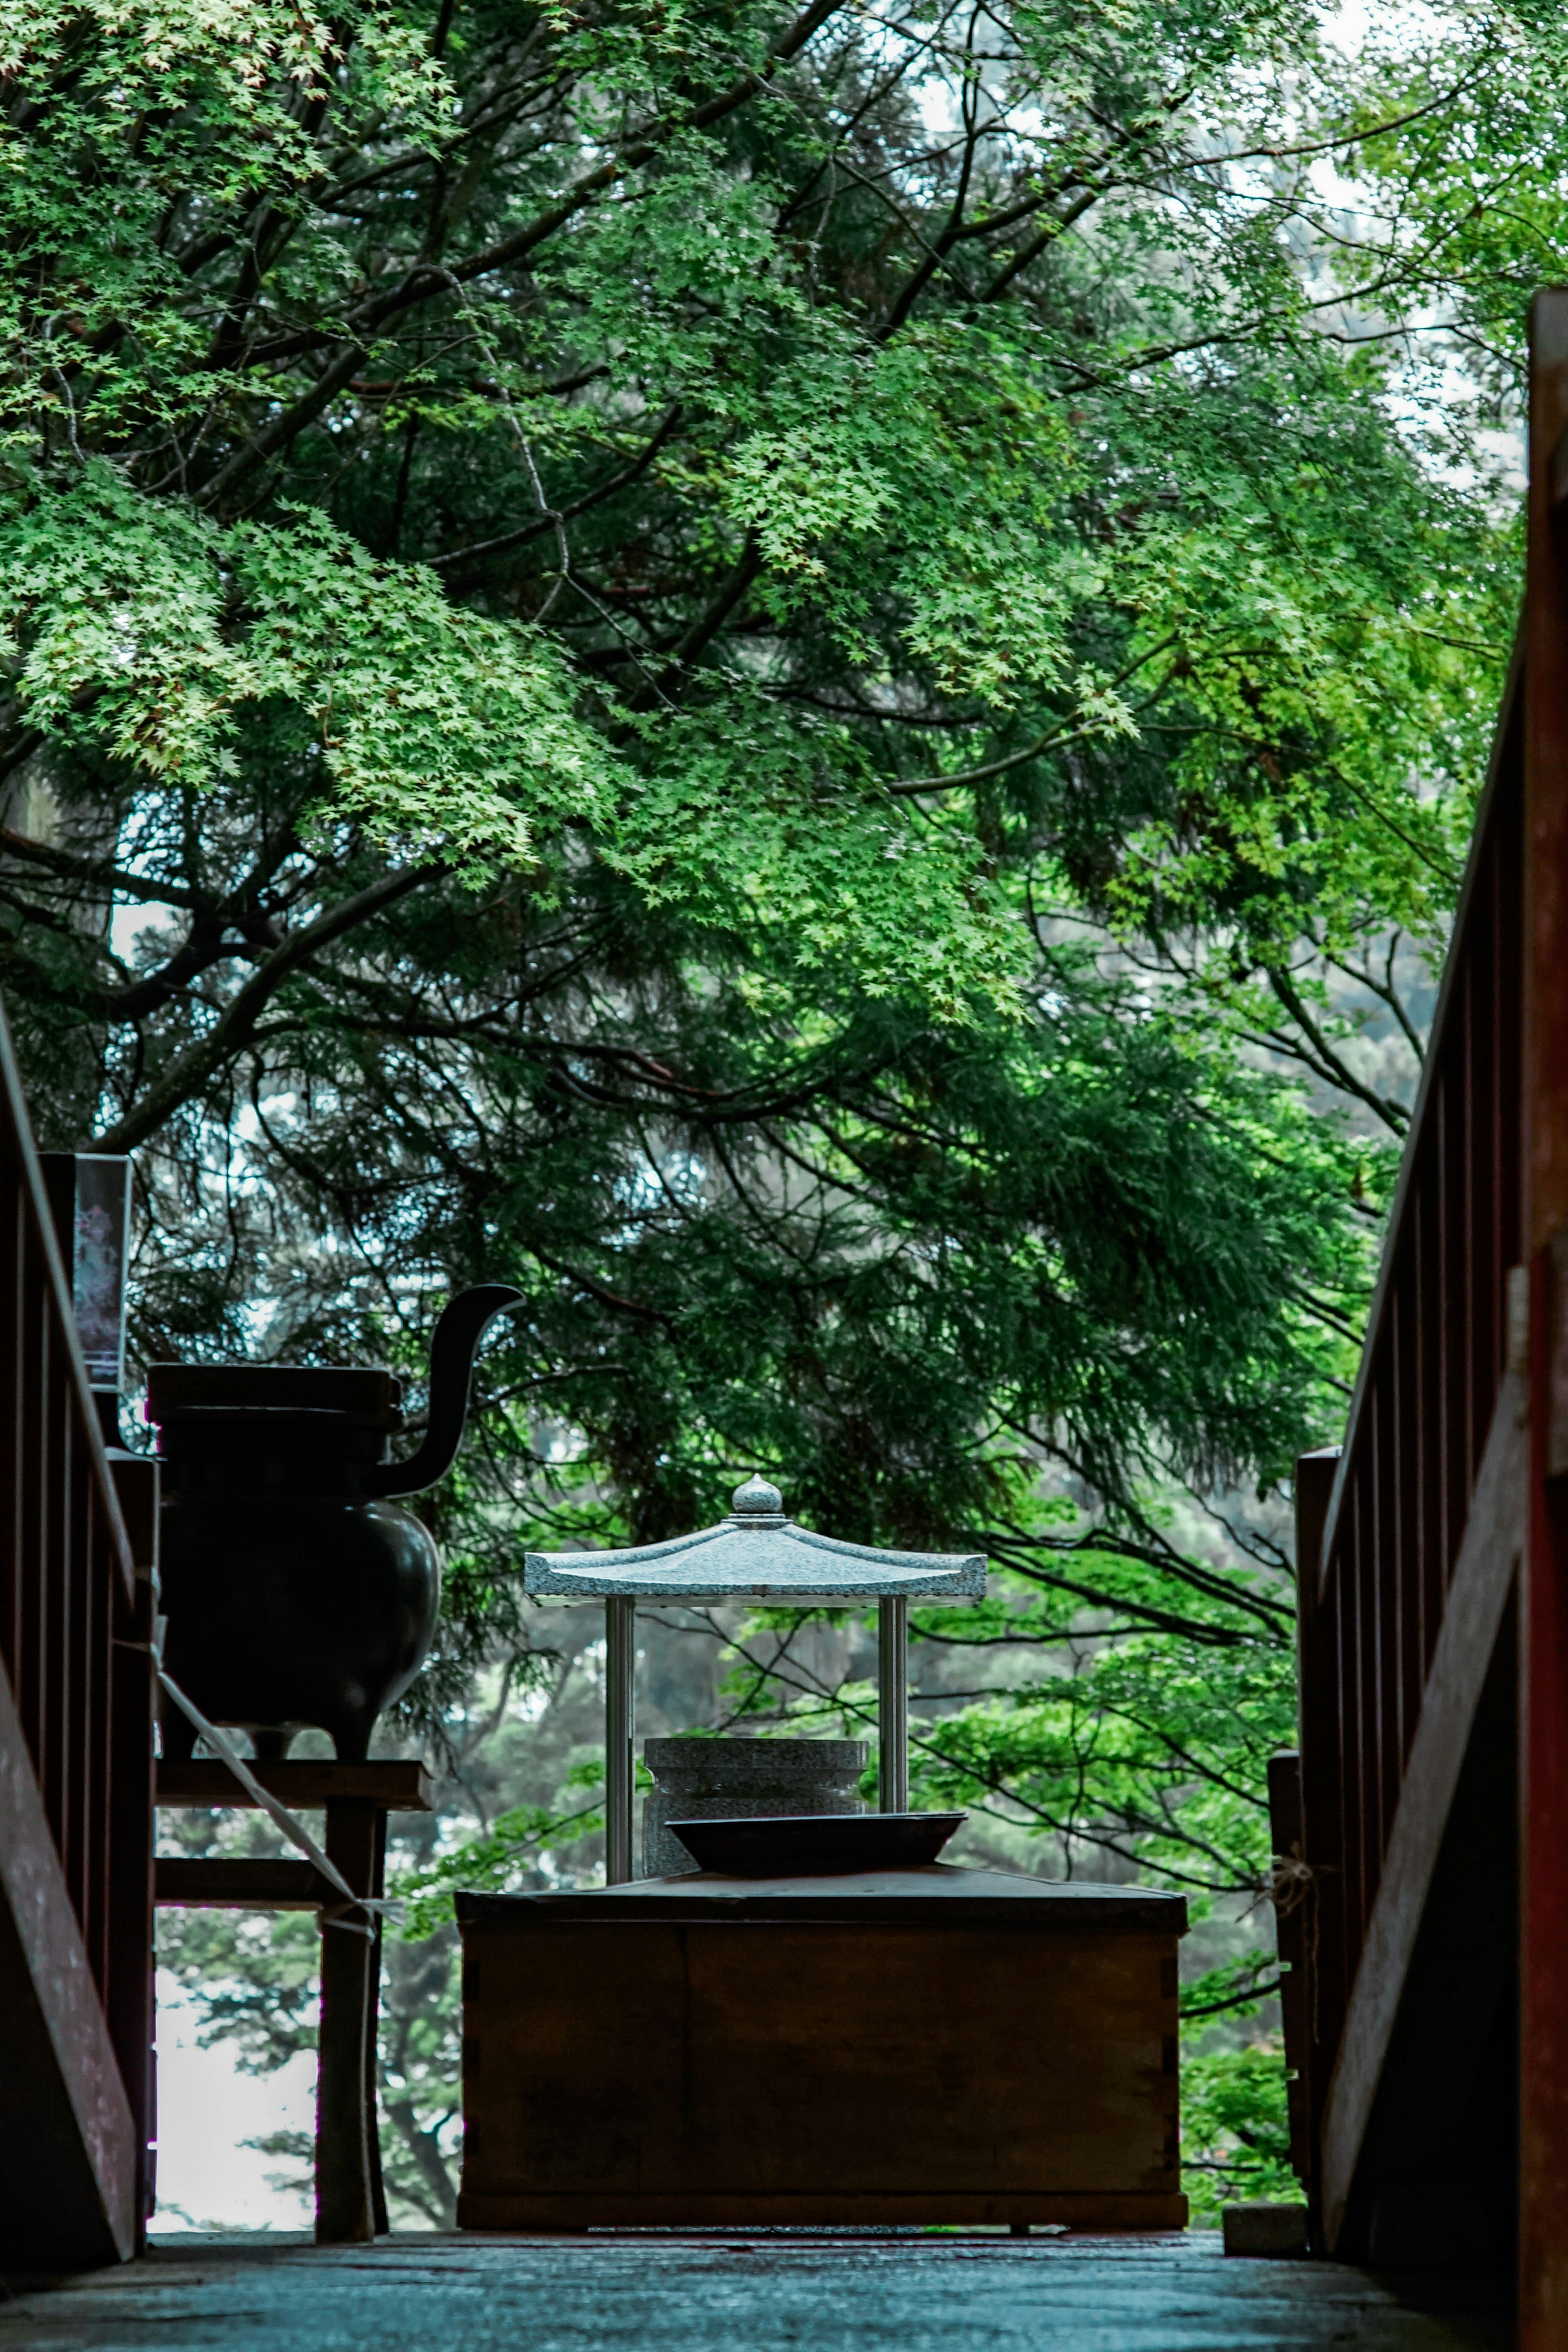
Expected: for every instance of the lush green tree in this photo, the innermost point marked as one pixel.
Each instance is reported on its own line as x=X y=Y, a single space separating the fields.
x=773 y=675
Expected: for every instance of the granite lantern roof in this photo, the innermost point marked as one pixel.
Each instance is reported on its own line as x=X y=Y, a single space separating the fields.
x=759 y=1554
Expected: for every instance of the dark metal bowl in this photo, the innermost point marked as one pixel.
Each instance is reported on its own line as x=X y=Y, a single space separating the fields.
x=815 y=1846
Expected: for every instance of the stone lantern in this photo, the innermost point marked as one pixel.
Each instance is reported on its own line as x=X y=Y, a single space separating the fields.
x=758 y=1553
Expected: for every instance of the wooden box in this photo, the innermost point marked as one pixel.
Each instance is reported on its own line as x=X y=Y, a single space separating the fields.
x=932 y=2045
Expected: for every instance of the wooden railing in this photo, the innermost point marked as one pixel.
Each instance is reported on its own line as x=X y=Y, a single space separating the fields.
x=1422 y=1835
x=76 y=1709
x=1381 y=1525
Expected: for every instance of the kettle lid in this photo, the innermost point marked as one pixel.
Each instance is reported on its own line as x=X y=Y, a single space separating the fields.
x=368 y=1396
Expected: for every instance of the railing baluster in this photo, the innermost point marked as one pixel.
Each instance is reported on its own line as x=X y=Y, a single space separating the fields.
x=12 y=1339
x=97 y=1747
x=1455 y=1442
x=57 y=1626
x=1428 y=1283
x=1369 y=1840
x=1385 y=1575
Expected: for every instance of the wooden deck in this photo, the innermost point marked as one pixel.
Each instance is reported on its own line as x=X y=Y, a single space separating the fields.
x=896 y=2292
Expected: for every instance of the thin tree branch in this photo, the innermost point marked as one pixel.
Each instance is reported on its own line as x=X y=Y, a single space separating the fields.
x=233 y=1028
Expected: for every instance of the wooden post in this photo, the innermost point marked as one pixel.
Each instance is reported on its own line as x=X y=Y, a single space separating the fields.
x=346 y=2181
x=620 y=1706
x=893 y=1705
x=1318 y=1999
x=131 y=2006
x=1543 y=1669
x=372 y=2037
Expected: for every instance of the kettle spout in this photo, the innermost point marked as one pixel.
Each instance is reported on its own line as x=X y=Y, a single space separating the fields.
x=463 y=1323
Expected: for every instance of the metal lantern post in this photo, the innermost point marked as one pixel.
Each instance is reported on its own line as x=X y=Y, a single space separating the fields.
x=893 y=1703
x=758 y=1553
x=620 y=1710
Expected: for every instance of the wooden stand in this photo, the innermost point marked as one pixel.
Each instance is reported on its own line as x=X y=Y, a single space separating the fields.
x=924 y=2046
x=351 y=2206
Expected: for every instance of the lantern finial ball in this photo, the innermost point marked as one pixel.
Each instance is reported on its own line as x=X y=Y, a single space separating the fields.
x=757 y=1500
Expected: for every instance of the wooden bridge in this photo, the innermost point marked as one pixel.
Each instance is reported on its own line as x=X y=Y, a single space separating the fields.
x=1422 y=1830
x=759 y=2292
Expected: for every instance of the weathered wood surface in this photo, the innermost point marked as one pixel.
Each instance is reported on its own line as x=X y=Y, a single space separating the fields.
x=886 y=2294
x=303 y=1785
x=701 y=2053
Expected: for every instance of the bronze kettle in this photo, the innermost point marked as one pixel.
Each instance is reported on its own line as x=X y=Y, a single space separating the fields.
x=296 y=1591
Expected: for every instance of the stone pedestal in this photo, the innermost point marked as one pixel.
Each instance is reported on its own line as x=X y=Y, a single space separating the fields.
x=729 y=1780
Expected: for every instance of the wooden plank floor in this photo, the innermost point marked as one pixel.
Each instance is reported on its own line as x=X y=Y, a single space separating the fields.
x=742 y=2292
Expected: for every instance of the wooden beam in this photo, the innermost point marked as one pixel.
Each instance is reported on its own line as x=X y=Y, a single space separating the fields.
x=1483 y=1573
x=398 y=1787
x=70 y=2161
x=241 y=1882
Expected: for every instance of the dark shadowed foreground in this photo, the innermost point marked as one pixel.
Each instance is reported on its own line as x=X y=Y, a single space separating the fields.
x=751 y=2292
